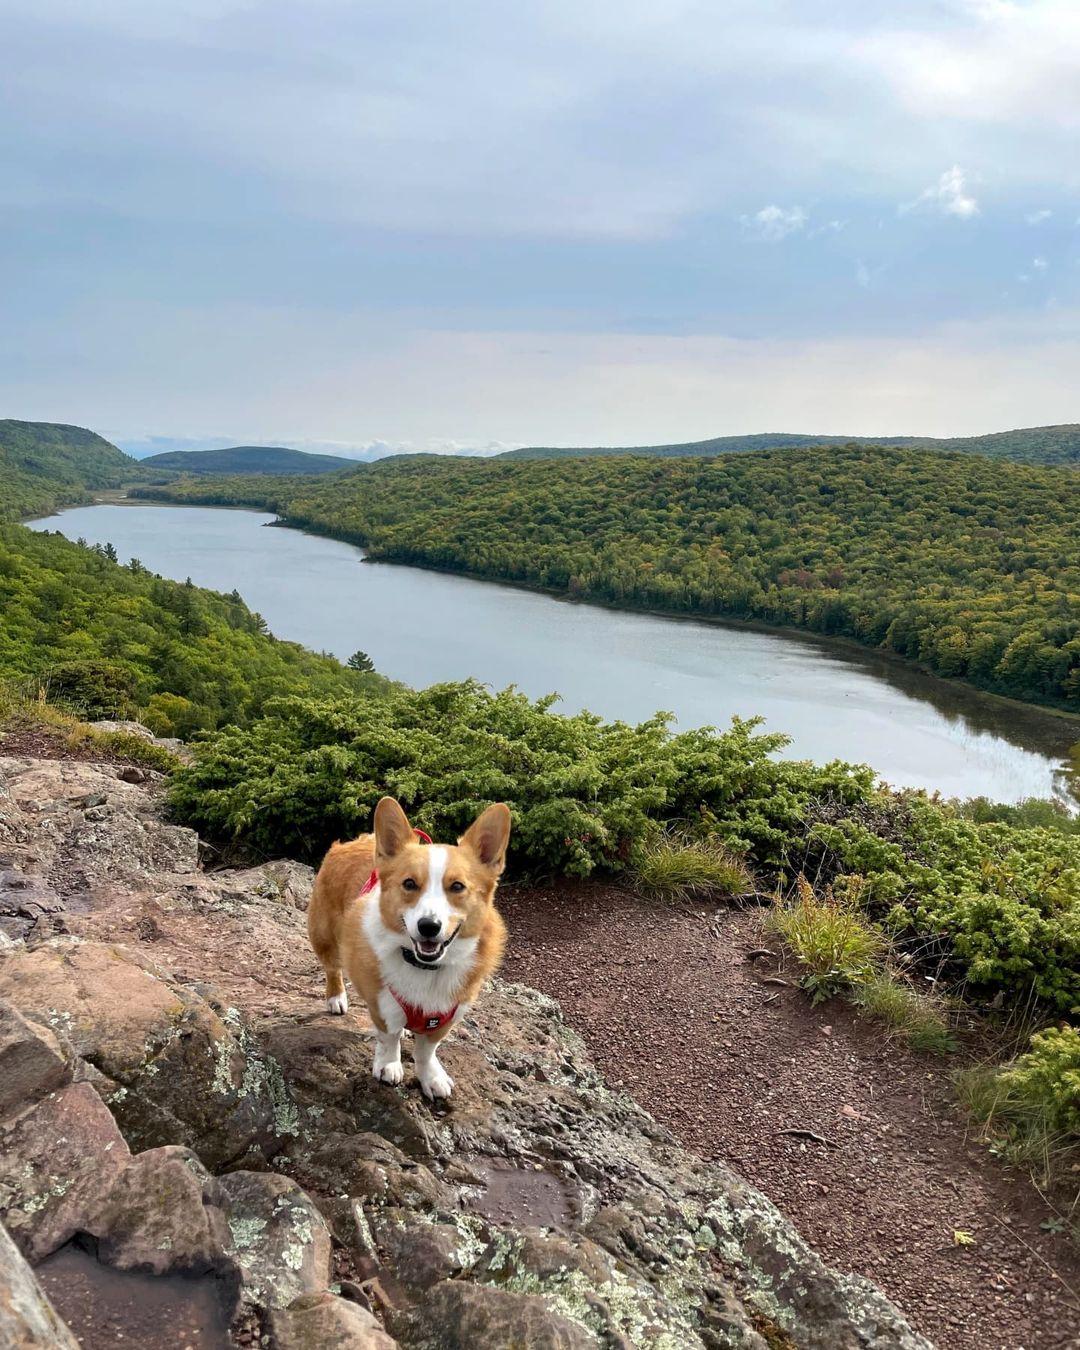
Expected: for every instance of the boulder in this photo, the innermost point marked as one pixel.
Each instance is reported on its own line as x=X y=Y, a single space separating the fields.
x=279 y=1239
x=325 y=1322
x=32 y=1061
x=419 y=1251
x=182 y=1071
x=59 y=1161
x=28 y=1320
x=163 y=1216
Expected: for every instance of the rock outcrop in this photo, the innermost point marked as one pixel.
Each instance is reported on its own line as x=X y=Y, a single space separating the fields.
x=176 y=1102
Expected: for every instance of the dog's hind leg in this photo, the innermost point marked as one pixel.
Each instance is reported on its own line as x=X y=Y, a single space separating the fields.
x=322 y=930
x=337 y=1000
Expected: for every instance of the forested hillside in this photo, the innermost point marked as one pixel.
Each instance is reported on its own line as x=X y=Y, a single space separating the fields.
x=257 y=459
x=1029 y=445
x=968 y=565
x=47 y=464
x=105 y=640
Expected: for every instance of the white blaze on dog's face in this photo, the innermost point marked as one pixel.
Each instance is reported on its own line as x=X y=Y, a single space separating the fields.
x=434 y=893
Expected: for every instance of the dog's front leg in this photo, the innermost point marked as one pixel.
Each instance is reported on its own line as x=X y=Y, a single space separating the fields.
x=387 y=1063
x=434 y=1080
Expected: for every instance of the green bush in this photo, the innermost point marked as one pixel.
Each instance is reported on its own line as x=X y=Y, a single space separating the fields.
x=1031 y=1107
x=90 y=688
x=992 y=906
x=1049 y=1076
x=583 y=791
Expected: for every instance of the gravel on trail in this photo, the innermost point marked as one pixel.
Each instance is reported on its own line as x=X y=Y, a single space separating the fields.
x=855 y=1137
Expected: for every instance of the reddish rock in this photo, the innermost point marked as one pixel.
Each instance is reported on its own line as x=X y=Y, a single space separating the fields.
x=58 y=1163
x=28 y=1320
x=32 y=1061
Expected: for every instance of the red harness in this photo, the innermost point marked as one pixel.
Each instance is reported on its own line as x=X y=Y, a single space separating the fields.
x=419 y=1022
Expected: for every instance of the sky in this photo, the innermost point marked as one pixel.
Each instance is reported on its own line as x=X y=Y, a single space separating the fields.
x=359 y=226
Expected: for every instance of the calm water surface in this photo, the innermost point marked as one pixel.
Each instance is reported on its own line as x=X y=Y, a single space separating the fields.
x=421 y=627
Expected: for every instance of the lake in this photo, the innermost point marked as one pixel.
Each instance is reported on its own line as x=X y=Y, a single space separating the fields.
x=834 y=701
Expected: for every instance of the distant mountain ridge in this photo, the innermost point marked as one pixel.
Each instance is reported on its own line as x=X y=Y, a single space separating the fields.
x=1026 y=445
x=264 y=459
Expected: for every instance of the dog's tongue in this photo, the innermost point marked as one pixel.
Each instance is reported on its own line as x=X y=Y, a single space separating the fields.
x=428 y=948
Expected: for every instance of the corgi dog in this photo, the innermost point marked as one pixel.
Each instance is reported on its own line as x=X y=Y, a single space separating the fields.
x=414 y=926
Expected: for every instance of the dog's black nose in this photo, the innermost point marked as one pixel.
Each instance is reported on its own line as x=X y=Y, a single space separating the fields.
x=429 y=928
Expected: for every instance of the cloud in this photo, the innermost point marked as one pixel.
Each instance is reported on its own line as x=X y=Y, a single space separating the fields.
x=1037 y=217
x=949 y=194
x=1039 y=264
x=776 y=222
x=302 y=378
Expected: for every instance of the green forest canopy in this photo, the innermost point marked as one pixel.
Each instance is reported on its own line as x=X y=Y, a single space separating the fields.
x=1027 y=445
x=105 y=640
x=970 y=566
x=45 y=464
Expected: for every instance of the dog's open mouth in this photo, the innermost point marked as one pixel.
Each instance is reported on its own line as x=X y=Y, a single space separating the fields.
x=428 y=953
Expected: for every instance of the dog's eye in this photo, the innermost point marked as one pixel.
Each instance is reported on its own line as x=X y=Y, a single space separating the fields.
x=457 y=885
x=409 y=885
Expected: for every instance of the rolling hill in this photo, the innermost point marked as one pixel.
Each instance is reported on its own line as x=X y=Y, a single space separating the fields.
x=1028 y=445
x=265 y=459
x=47 y=464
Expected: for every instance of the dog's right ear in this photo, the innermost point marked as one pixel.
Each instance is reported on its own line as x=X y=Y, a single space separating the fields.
x=392 y=829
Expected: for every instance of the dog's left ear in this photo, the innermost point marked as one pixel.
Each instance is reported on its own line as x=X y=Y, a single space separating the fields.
x=488 y=836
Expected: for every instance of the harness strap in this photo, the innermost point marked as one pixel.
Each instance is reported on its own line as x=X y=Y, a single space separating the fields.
x=419 y=1022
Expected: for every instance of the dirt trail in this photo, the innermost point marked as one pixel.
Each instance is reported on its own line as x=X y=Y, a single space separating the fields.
x=678 y=1016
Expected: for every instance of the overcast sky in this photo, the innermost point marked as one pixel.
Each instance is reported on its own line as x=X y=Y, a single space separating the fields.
x=356 y=224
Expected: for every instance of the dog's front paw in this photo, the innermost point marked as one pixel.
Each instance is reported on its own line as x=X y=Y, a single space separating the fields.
x=391 y=1073
x=338 y=1004
x=436 y=1083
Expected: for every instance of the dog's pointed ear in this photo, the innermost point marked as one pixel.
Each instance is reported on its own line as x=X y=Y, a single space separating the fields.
x=488 y=836
x=392 y=829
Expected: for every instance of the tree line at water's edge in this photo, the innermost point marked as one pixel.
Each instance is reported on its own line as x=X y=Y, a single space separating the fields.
x=968 y=566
